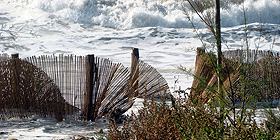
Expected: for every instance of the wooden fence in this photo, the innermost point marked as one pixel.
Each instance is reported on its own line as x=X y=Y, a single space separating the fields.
x=244 y=73
x=77 y=87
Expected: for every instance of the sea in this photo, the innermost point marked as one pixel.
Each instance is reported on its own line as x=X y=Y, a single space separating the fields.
x=167 y=33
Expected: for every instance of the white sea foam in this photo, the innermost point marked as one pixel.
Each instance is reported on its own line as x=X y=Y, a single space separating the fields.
x=127 y=14
x=265 y=11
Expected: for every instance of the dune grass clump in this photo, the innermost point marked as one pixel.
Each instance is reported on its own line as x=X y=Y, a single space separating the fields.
x=153 y=121
x=157 y=120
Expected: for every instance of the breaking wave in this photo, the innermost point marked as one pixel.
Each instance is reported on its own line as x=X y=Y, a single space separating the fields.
x=127 y=14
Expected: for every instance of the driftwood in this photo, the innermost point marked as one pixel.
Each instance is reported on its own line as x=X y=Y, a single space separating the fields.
x=258 y=71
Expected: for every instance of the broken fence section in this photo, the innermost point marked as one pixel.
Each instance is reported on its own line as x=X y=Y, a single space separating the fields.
x=76 y=87
x=25 y=90
x=261 y=69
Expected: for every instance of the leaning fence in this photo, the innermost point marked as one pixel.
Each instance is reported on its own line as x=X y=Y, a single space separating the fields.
x=262 y=70
x=259 y=68
x=68 y=73
x=74 y=87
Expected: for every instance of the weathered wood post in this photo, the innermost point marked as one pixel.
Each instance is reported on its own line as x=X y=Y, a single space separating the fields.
x=204 y=77
x=134 y=71
x=15 y=56
x=87 y=110
x=15 y=82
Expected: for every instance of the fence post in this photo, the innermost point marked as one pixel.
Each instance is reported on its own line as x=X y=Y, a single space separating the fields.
x=134 y=71
x=15 y=82
x=15 y=56
x=87 y=111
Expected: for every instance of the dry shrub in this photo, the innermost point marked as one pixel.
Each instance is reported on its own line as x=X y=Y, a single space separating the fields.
x=153 y=121
x=195 y=121
x=157 y=120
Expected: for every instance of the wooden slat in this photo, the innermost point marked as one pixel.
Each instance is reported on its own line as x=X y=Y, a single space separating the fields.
x=111 y=87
